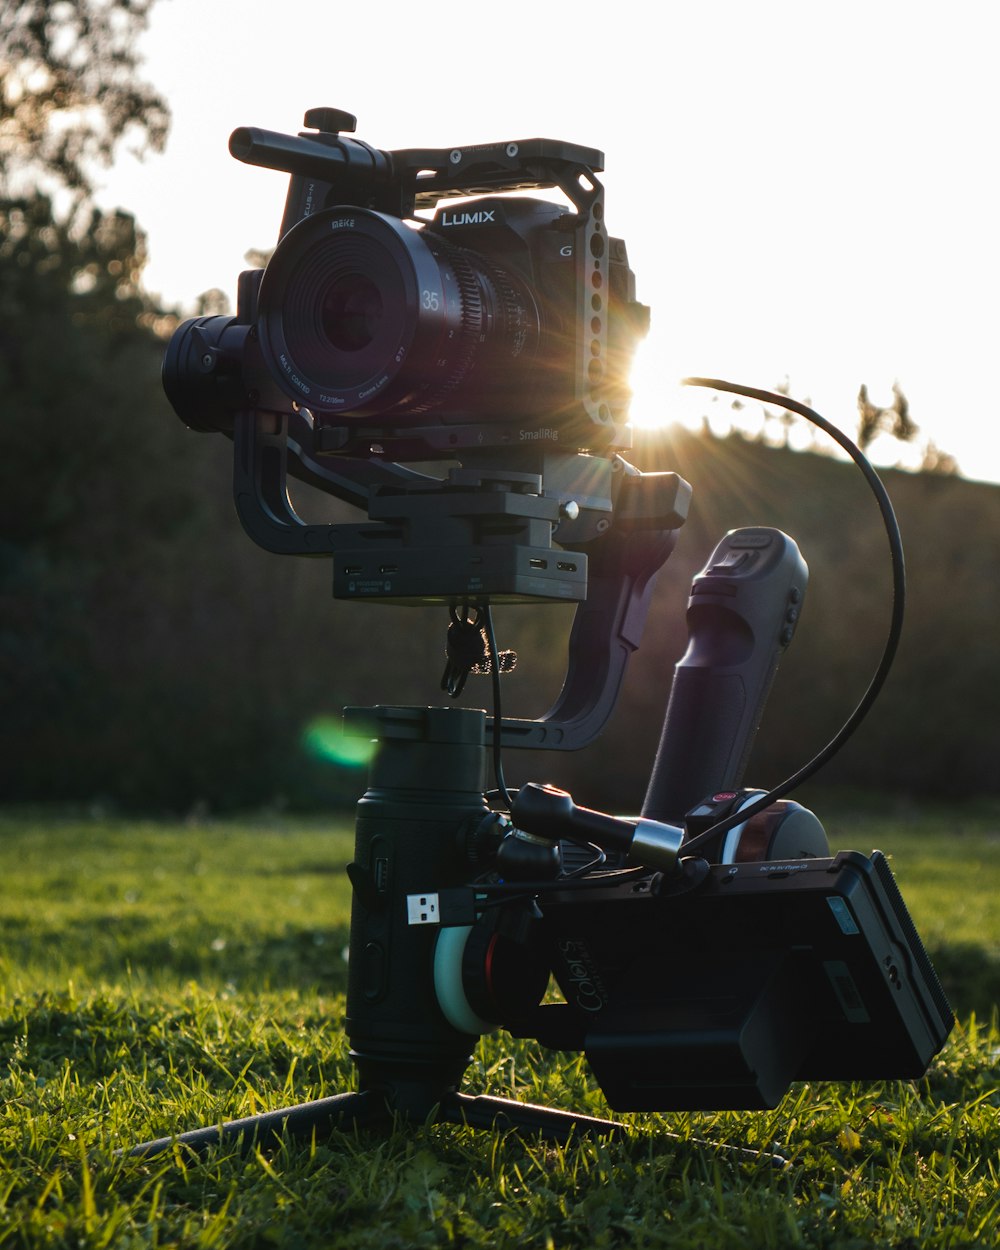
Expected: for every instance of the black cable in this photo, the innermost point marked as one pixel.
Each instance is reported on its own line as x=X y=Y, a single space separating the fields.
x=491 y=642
x=895 y=624
x=890 y=647
x=515 y=891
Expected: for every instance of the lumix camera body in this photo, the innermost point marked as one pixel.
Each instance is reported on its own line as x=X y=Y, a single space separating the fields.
x=704 y=953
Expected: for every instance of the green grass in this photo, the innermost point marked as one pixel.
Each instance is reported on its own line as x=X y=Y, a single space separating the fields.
x=155 y=977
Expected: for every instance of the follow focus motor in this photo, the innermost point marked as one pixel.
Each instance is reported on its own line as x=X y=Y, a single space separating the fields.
x=708 y=952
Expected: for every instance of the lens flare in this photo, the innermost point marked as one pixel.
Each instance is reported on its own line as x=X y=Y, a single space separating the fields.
x=324 y=738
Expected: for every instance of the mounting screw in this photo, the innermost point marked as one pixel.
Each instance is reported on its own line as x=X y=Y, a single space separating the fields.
x=331 y=121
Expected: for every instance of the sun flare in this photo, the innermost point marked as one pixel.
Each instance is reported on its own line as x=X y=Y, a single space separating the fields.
x=659 y=397
x=654 y=399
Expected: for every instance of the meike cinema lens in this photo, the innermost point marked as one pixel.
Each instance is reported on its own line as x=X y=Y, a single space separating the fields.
x=360 y=312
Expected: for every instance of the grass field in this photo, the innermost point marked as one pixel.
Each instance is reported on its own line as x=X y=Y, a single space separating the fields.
x=156 y=977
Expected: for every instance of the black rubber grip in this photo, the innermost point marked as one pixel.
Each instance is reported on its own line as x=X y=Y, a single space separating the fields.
x=742 y=614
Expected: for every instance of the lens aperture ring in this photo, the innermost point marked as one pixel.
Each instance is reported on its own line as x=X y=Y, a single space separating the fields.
x=498 y=321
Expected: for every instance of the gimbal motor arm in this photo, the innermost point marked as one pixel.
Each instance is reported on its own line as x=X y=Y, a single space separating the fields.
x=635 y=530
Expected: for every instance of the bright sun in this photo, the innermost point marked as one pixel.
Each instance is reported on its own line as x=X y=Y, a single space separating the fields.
x=658 y=398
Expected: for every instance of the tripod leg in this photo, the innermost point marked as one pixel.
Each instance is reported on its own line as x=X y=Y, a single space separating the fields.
x=524 y=1117
x=320 y=1117
x=501 y=1114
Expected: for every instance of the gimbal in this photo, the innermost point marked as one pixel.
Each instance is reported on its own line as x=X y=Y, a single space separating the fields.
x=705 y=953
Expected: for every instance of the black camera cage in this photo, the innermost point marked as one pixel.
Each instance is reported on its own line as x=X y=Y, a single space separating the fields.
x=328 y=169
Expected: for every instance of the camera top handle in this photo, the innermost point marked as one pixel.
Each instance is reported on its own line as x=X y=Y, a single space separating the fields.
x=402 y=181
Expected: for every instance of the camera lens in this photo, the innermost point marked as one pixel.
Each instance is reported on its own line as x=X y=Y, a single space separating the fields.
x=362 y=313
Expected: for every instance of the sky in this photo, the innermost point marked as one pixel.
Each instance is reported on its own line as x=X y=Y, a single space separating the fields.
x=809 y=192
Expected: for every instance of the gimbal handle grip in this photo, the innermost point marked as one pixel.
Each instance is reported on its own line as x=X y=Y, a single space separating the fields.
x=742 y=613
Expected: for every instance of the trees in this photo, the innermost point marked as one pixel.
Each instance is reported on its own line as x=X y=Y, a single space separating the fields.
x=874 y=420
x=896 y=421
x=69 y=94
x=78 y=360
x=148 y=652
x=75 y=325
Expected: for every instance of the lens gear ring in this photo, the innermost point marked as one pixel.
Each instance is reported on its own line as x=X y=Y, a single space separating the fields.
x=471 y=319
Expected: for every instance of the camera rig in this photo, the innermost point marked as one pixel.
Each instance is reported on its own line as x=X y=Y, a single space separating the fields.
x=706 y=953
